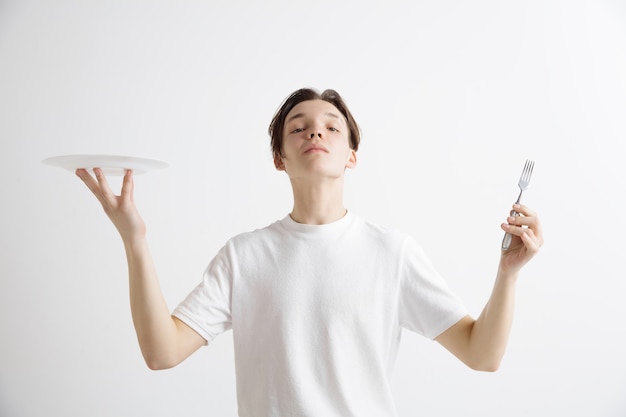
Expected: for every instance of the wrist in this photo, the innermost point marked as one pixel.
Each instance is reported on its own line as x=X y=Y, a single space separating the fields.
x=135 y=243
x=507 y=276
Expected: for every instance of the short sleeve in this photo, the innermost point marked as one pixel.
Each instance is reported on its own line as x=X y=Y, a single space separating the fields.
x=207 y=308
x=426 y=304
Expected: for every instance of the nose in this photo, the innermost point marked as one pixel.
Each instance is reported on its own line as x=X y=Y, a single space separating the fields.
x=319 y=135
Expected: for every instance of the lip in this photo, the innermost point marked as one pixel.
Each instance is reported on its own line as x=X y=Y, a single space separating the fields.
x=315 y=148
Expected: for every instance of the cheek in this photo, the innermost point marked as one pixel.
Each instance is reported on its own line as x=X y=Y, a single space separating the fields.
x=293 y=141
x=341 y=142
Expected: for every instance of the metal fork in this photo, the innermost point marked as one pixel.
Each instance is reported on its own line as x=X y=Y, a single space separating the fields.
x=523 y=182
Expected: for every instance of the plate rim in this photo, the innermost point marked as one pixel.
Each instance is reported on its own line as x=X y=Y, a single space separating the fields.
x=71 y=162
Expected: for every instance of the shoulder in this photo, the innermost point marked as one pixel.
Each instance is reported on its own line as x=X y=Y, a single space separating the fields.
x=382 y=236
x=264 y=235
x=379 y=230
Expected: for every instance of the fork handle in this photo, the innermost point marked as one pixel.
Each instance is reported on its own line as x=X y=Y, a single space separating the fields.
x=506 y=242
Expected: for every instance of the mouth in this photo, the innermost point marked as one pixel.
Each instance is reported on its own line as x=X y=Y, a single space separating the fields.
x=316 y=148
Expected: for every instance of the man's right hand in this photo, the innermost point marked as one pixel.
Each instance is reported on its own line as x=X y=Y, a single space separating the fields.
x=120 y=209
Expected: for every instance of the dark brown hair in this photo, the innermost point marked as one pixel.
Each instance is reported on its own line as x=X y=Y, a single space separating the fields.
x=305 y=94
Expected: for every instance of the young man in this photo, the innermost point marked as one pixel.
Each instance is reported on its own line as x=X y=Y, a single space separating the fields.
x=317 y=300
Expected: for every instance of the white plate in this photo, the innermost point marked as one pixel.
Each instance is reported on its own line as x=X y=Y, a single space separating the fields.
x=110 y=164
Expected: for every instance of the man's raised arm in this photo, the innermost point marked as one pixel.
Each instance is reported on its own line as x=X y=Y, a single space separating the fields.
x=164 y=340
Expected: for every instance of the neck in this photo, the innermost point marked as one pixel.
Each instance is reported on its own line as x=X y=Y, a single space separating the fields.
x=318 y=203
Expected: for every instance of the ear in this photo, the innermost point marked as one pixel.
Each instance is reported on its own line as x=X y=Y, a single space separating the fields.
x=351 y=159
x=278 y=163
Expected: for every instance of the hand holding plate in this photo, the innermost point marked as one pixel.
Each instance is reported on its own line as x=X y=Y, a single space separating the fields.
x=121 y=208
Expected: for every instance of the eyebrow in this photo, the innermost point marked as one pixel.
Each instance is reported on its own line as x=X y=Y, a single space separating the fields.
x=299 y=115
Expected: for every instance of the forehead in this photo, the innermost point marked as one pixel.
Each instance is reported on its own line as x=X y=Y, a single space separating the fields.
x=314 y=108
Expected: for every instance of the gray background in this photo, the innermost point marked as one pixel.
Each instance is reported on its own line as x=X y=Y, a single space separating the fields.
x=452 y=97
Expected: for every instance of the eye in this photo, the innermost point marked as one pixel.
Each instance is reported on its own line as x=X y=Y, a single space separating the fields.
x=297 y=130
x=333 y=129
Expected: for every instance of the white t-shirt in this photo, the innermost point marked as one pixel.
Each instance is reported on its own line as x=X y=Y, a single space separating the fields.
x=316 y=314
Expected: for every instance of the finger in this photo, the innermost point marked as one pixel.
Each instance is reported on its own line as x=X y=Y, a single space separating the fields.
x=524 y=215
x=527 y=218
x=528 y=236
x=513 y=229
x=531 y=241
x=525 y=210
x=520 y=220
x=509 y=228
x=128 y=186
x=84 y=176
x=105 y=190
x=89 y=181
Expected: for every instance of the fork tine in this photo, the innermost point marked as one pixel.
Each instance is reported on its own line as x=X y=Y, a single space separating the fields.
x=527 y=171
x=521 y=177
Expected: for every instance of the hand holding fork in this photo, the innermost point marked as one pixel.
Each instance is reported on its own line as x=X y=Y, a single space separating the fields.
x=523 y=185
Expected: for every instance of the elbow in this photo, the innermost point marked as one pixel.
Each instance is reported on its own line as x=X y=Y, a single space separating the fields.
x=485 y=359
x=492 y=365
x=157 y=366
x=155 y=363
x=488 y=368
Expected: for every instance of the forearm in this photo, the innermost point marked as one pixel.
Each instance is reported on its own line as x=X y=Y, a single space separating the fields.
x=164 y=341
x=481 y=343
x=155 y=328
x=490 y=333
